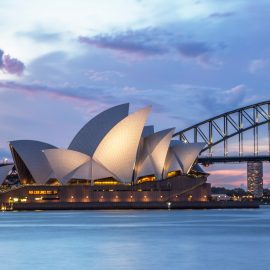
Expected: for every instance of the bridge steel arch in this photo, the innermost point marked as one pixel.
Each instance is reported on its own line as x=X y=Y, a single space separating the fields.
x=228 y=125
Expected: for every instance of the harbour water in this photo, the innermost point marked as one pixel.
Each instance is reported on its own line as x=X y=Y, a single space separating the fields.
x=142 y=239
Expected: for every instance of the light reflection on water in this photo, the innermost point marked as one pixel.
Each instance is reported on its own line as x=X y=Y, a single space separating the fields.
x=207 y=239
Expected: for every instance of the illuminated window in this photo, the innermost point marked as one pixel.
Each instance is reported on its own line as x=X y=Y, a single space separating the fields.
x=173 y=173
x=43 y=192
x=106 y=181
x=149 y=178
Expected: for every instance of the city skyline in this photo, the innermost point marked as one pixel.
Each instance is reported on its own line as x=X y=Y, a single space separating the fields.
x=187 y=59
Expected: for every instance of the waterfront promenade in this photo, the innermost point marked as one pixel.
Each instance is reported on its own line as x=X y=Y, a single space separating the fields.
x=133 y=205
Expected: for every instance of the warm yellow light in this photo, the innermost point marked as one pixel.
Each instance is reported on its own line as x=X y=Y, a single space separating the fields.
x=106 y=182
x=146 y=179
x=43 y=192
x=171 y=174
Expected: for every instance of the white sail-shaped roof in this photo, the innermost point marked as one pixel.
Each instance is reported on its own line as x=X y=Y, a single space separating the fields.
x=171 y=163
x=4 y=170
x=81 y=172
x=197 y=168
x=155 y=148
x=118 y=149
x=68 y=164
x=89 y=170
x=30 y=152
x=89 y=137
x=99 y=172
x=186 y=154
x=147 y=130
x=145 y=167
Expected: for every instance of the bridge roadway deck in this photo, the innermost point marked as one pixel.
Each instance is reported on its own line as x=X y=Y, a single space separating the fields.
x=232 y=159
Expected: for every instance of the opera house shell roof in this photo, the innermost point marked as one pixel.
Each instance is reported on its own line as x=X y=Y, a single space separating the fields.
x=4 y=171
x=113 y=145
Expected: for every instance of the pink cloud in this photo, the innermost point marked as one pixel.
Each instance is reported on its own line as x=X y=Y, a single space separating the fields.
x=10 y=65
x=256 y=65
x=67 y=94
x=228 y=177
x=13 y=65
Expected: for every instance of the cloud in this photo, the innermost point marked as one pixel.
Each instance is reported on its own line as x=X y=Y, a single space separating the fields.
x=231 y=175
x=256 y=65
x=10 y=65
x=80 y=94
x=219 y=15
x=40 y=35
x=141 y=42
x=235 y=95
x=1 y=59
x=154 y=42
x=194 y=49
x=13 y=65
x=201 y=52
x=215 y=100
x=106 y=75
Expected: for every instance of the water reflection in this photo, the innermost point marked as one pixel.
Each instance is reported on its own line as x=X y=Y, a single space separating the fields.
x=208 y=239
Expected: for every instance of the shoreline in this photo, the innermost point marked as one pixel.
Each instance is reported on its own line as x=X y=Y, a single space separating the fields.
x=130 y=205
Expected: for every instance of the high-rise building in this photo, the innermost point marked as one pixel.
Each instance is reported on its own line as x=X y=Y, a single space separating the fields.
x=255 y=178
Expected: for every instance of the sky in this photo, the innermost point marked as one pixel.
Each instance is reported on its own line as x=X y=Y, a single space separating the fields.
x=62 y=62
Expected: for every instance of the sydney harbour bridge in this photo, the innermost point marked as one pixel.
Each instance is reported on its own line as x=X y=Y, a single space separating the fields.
x=240 y=135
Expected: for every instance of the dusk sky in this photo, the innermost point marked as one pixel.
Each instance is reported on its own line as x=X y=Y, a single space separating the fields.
x=62 y=62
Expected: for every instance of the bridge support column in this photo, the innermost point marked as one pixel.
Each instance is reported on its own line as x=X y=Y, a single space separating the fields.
x=255 y=178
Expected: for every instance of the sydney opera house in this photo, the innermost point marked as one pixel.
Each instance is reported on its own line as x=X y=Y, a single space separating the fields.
x=115 y=159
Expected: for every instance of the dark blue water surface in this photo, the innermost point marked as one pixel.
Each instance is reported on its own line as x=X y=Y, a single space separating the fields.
x=176 y=239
